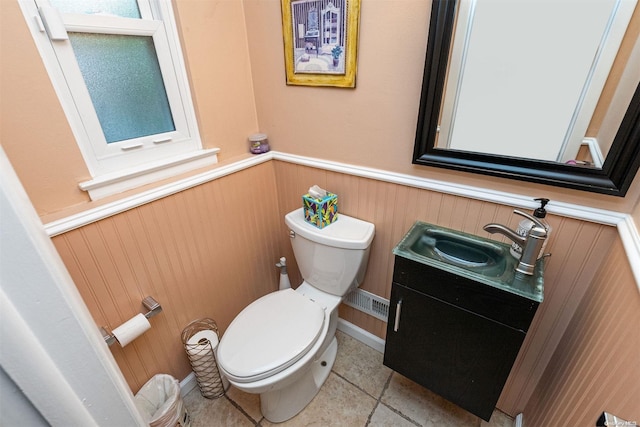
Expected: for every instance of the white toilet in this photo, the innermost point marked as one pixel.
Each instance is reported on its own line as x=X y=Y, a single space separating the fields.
x=283 y=345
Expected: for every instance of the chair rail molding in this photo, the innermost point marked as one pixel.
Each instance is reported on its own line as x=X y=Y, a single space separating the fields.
x=626 y=227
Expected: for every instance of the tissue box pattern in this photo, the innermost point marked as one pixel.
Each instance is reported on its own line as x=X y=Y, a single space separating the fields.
x=320 y=212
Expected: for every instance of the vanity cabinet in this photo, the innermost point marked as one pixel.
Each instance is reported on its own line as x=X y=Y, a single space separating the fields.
x=455 y=336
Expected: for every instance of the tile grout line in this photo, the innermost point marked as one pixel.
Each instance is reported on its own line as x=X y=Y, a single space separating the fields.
x=353 y=384
x=379 y=398
x=394 y=410
x=242 y=411
x=384 y=388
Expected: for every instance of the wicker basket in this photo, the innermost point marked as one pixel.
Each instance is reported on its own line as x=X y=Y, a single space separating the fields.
x=203 y=359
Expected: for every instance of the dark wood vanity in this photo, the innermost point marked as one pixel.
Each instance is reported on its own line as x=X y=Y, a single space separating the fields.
x=455 y=336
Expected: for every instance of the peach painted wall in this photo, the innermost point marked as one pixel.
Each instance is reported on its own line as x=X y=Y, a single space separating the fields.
x=617 y=70
x=235 y=61
x=374 y=124
x=39 y=142
x=35 y=134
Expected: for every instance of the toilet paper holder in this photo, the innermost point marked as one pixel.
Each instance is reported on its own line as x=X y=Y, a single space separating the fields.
x=149 y=303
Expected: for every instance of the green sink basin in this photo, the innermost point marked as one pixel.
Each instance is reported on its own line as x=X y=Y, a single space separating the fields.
x=478 y=258
x=463 y=250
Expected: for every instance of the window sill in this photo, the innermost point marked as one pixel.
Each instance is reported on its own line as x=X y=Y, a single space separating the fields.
x=115 y=183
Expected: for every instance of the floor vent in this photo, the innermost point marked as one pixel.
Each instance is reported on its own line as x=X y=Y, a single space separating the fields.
x=368 y=303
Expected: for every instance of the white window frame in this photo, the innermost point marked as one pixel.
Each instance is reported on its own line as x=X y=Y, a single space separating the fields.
x=122 y=165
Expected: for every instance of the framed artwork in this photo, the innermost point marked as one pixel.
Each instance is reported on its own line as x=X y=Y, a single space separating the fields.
x=320 y=41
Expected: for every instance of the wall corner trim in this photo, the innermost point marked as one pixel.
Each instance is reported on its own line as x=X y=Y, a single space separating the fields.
x=519 y=420
x=631 y=243
x=624 y=222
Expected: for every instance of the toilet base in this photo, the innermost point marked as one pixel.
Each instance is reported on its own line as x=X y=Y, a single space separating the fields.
x=280 y=405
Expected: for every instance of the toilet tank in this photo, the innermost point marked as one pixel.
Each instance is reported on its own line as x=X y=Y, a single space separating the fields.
x=334 y=258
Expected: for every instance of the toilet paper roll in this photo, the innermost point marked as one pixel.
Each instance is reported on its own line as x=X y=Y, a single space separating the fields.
x=131 y=329
x=199 y=341
x=196 y=344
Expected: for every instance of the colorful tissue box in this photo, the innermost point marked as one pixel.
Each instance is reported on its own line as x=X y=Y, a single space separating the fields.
x=320 y=212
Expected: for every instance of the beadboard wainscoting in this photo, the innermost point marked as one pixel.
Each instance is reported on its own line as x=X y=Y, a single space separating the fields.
x=596 y=366
x=210 y=249
x=207 y=251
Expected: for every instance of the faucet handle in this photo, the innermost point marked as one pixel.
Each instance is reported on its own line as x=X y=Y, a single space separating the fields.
x=531 y=218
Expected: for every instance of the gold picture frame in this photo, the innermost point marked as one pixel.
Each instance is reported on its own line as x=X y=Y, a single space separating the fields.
x=320 y=42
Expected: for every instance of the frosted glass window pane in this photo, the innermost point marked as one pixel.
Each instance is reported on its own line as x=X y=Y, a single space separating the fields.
x=124 y=8
x=123 y=77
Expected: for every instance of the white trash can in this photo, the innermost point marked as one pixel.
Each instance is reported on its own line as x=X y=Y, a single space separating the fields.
x=160 y=403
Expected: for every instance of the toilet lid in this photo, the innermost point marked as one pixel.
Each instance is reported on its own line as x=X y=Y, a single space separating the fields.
x=269 y=335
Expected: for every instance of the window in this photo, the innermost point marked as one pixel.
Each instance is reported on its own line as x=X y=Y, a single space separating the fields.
x=118 y=70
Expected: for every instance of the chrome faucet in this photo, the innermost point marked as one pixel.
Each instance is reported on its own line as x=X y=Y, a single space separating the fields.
x=531 y=243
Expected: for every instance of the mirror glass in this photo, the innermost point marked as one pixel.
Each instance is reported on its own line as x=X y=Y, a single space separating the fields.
x=535 y=90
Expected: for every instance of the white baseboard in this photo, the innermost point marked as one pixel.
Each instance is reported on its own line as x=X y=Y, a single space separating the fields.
x=188 y=384
x=361 y=335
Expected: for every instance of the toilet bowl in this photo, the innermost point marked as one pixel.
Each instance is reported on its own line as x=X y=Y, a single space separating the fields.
x=283 y=346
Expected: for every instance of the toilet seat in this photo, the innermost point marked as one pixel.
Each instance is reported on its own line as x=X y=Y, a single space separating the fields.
x=269 y=335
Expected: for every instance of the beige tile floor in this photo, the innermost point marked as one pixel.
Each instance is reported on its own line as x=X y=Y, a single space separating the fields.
x=360 y=391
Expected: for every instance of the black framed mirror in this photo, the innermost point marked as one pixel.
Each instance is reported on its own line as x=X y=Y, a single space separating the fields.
x=613 y=178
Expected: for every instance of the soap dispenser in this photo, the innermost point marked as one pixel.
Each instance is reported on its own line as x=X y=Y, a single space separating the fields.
x=525 y=225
